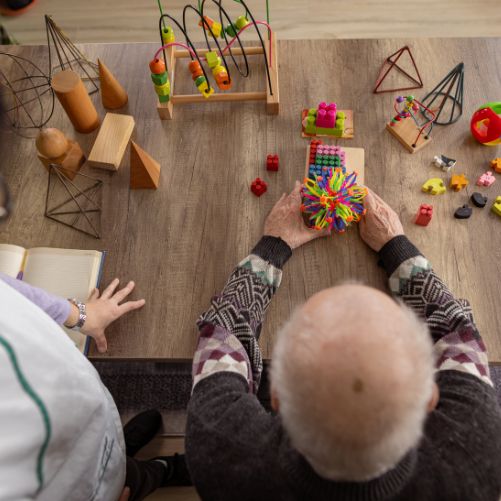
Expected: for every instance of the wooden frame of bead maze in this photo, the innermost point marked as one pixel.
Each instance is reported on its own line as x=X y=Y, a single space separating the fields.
x=172 y=52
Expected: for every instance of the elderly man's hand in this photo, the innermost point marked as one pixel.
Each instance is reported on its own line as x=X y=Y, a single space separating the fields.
x=380 y=224
x=285 y=221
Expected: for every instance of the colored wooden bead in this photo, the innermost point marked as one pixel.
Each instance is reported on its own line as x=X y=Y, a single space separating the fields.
x=478 y=200
x=486 y=179
x=424 y=215
x=458 y=182
x=223 y=81
x=434 y=186
x=496 y=206
x=159 y=79
x=205 y=90
x=200 y=80
x=168 y=35
x=157 y=66
x=272 y=163
x=258 y=187
x=241 y=22
x=231 y=30
x=463 y=212
x=194 y=66
x=213 y=59
x=218 y=69
x=163 y=90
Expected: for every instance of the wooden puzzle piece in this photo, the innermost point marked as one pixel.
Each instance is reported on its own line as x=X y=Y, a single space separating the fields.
x=478 y=200
x=434 y=186
x=463 y=212
x=458 y=182
x=496 y=165
x=486 y=179
x=496 y=206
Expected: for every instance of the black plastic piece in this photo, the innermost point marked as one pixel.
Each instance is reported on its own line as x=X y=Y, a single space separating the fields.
x=479 y=200
x=463 y=212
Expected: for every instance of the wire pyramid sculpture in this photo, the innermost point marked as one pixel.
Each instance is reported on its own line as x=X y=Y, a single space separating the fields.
x=69 y=57
x=450 y=91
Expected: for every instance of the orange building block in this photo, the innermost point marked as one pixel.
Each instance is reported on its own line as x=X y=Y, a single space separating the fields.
x=496 y=165
x=458 y=182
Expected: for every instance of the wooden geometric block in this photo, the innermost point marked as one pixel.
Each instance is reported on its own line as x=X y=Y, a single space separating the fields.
x=111 y=141
x=406 y=132
x=144 y=171
x=113 y=95
x=70 y=162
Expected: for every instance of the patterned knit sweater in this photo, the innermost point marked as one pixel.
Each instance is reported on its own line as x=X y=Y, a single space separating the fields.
x=237 y=451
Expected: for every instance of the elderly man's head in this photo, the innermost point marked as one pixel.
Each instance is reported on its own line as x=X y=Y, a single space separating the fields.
x=352 y=375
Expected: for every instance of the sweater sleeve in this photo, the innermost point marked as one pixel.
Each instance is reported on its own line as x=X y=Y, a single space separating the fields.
x=230 y=328
x=56 y=307
x=458 y=344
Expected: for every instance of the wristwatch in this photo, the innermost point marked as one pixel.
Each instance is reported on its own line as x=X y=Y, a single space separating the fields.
x=82 y=315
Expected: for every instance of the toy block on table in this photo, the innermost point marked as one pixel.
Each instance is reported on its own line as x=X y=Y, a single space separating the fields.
x=486 y=179
x=75 y=100
x=258 y=187
x=55 y=148
x=111 y=141
x=463 y=212
x=272 y=163
x=326 y=120
x=434 y=186
x=479 y=200
x=496 y=165
x=321 y=157
x=144 y=171
x=458 y=182
x=424 y=215
x=444 y=163
x=113 y=95
x=496 y=206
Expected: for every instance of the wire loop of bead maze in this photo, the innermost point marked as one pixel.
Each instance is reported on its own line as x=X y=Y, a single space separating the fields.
x=172 y=51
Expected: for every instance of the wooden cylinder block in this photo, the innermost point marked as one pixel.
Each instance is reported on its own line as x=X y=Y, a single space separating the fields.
x=75 y=100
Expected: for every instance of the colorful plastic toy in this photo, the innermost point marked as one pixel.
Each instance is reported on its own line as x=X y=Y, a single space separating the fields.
x=327 y=120
x=478 y=200
x=160 y=80
x=272 y=163
x=496 y=165
x=458 y=182
x=486 y=179
x=333 y=200
x=485 y=124
x=324 y=157
x=258 y=187
x=496 y=206
x=463 y=212
x=424 y=215
x=434 y=186
x=444 y=163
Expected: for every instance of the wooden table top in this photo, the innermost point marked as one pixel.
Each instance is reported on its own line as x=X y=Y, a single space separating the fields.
x=181 y=242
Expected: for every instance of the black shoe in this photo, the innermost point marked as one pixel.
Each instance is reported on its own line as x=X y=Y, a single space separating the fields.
x=177 y=471
x=140 y=430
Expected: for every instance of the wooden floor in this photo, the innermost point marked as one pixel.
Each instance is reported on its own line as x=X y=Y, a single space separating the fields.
x=136 y=21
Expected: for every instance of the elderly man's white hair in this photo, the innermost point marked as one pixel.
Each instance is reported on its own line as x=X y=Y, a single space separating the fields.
x=353 y=372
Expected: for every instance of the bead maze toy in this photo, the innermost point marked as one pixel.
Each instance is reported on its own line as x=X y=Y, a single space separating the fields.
x=485 y=124
x=390 y=63
x=164 y=65
x=405 y=125
x=450 y=89
x=327 y=120
x=332 y=197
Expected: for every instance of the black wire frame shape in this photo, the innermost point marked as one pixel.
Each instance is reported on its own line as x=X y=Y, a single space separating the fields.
x=69 y=56
x=87 y=194
x=455 y=78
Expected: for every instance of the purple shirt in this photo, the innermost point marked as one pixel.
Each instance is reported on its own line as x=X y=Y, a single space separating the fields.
x=56 y=307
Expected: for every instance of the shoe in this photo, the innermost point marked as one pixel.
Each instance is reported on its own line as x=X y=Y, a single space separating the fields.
x=177 y=471
x=140 y=430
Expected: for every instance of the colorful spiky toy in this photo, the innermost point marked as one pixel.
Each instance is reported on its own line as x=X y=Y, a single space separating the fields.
x=333 y=200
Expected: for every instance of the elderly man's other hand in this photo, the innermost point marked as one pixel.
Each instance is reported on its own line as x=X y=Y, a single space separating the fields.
x=380 y=224
x=285 y=221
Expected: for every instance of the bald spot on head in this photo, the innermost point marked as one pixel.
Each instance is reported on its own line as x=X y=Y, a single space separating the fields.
x=355 y=366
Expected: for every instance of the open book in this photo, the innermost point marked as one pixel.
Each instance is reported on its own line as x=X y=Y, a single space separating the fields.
x=67 y=273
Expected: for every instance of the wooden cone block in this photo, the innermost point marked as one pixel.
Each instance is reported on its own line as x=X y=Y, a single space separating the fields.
x=113 y=94
x=75 y=100
x=144 y=171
